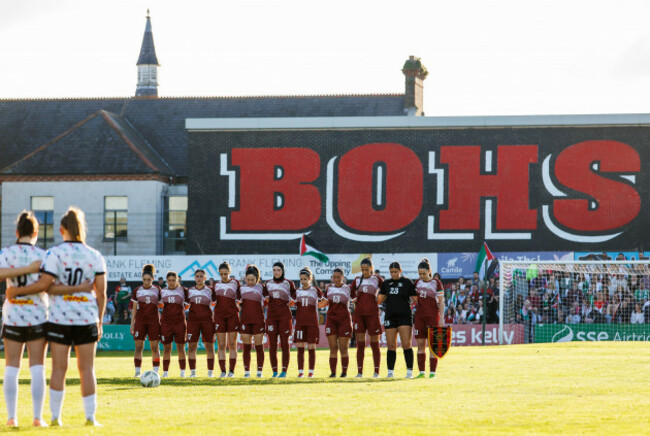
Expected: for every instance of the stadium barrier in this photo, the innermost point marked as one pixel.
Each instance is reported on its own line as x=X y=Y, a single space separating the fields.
x=591 y=332
x=117 y=337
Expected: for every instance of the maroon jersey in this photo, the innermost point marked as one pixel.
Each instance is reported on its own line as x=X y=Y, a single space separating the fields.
x=427 y=293
x=200 y=304
x=280 y=293
x=226 y=294
x=366 y=291
x=307 y=306
x=173 y=304
x=147 y=300
x=339 y=302
x=252 y=301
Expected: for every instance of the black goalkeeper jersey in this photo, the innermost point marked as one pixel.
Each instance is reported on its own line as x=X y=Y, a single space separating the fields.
x=398 y=293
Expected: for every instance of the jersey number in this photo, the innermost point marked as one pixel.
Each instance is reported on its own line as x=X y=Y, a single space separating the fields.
x=336 y=299
x=148 y=300
x=21 y=280
x=304 y=301
x=197 y=300
x=299 y=334
x=170 y=299
x=423 y=294
x=74 y=277
x=276 y=295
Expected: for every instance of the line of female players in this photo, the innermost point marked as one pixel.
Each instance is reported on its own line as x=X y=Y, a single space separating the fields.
x=216 y=310
x=58 y=297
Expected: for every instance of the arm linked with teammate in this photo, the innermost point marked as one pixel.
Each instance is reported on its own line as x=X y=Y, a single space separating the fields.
x=7 y=273
x=100 y=292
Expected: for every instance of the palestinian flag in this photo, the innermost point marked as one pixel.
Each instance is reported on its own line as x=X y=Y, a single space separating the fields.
x=308 y=248
x=485 y=261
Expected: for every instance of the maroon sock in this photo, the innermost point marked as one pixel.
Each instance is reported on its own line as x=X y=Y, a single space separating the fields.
x=137 y=362
x=333 y=365
x=301 y=358
x=247 y=357
x=211 y=364
x=312 y=360
x=361 y=350
x=376 y=355
x=286 y=352
x=273 y=352
x=181 y=363
x=422 y=360
x=156 y=362
x=192 y=364
x=166 y=365
x=232 y=362
x=433 y=363
x=345 y=361
x=222 y=365
x=259 y=352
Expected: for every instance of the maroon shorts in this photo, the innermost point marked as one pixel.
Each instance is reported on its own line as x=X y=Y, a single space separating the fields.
x=282 y=327
x=252 y=329
x=205 y=329
x=307 y=333
x=367 y=323
x=422 y=324
x=338 y=328
x=143 y=329
x=226 y=325
x=175 y=331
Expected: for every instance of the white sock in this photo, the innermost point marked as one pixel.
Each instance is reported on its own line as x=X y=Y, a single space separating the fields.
x=90 y=406
x=137 y=370
x=165 y=374
x=38 y=389
x=422 y=372
x=300 y=371
x=182 y=373
x=155 y=369
x=432 y=373
x=56 y=403
x=390 y=372
x=194 y=372
x=409 y=373
x=10 y=386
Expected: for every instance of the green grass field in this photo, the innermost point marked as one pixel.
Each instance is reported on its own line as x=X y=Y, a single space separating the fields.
x=572 y=388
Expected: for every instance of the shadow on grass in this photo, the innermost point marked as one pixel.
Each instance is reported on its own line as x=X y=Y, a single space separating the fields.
x=132 y=382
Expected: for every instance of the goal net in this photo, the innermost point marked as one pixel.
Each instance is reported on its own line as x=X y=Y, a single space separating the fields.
x=563 y=301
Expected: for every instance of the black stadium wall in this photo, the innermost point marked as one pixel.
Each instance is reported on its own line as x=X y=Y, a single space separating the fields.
x=393 y=190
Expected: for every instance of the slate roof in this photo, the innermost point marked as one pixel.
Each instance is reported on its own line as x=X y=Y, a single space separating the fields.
x=126 y=132
x=148 y=49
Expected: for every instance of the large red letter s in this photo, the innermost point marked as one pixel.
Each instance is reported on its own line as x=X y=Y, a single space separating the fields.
x=617 y=203
x=274 y=189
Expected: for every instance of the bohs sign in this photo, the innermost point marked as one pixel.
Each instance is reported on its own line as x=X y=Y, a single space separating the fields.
x=419 y=189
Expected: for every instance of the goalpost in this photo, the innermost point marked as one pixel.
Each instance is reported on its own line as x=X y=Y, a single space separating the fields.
x=563 y=301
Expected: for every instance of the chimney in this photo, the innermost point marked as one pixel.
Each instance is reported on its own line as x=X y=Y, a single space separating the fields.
x=414 y=73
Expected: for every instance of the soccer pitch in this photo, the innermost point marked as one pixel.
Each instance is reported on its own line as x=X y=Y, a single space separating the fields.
x=572 y=388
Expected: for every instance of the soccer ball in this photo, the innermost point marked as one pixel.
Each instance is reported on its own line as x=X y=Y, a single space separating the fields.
x=150 y=379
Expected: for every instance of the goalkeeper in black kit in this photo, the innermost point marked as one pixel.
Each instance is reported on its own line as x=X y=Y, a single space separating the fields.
x=397 y=293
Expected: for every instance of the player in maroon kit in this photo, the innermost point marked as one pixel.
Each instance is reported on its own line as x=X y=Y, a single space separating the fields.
x=200 y=321
x=431 y=300
x=338 y=326
x=366 y=314
x=226 y=318
x=145 y=320
x=278 y=317
x=307 y=298
x=251 y=294
x=172 y=322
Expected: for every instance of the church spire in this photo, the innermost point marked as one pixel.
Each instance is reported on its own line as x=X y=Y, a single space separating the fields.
x=147 y=65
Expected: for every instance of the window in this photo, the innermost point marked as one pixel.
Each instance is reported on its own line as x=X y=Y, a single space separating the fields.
x=43 y=208
x=175 y=225
x=115 y=217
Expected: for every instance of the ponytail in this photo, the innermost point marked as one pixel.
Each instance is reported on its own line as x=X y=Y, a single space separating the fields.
x=27 y=224
x=74 y=221
x=254 y=271
x=424 y=264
